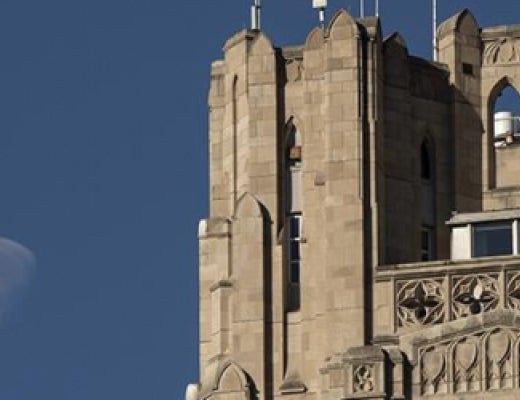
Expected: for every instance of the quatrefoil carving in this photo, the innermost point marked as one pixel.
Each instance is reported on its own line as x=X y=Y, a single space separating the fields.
x=474 y=294
x=420 y=302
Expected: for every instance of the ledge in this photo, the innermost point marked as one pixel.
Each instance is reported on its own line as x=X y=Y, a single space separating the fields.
x=485 y=216
x=435 y=268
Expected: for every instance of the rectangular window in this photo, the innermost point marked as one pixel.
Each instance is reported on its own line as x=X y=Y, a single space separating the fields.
x=294 y=248
x=492 y=239
x=427 y=242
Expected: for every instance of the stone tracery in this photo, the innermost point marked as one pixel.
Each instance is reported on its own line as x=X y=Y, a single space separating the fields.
x=420 y=302
x=478 y=362
x=474 y=294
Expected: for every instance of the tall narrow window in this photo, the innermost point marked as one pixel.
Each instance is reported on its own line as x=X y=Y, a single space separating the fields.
x=293 y=215
x=427 y=205
x=295 y=236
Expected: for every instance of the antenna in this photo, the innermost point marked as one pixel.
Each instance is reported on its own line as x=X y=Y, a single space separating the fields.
x=320 y=5
x=435 y=47
x=377 y=8
x=362 y=8
x=255 y=15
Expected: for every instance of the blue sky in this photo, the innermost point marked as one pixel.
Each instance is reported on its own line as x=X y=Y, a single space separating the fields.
x=103 y=129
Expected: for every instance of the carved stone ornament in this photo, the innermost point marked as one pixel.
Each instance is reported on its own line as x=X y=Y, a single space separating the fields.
x=479 y=362
x=358 y=373
x=433 y=370
x=474 y=294
x=502 y=51
x=420 y=302
x=363 y=378
x=513 y=292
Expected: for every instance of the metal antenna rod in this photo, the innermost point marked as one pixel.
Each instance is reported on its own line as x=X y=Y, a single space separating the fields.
x=322 y=17
x=435 y=47
x=255 y=15
x=362 y=8
x=377 y=8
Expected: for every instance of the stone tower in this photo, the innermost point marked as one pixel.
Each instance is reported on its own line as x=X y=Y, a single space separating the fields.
x=341 y=171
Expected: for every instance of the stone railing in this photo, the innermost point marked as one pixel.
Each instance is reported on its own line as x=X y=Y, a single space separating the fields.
x=412 y=296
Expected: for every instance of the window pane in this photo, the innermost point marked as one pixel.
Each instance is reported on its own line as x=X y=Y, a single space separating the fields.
x=294 y=227
x=295 y=272
x=492 y=239
x=295 y=251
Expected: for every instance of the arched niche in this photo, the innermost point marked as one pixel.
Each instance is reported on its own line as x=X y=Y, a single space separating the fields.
x=227 y=380
x=501 y=143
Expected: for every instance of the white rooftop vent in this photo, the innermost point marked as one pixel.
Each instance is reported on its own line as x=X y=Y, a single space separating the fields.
x=319 y=3
x=506 y=124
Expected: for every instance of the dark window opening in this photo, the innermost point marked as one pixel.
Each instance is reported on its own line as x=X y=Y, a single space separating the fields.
x=426 y=171
x=427 y=243
x=467 y=69
x=294 y=248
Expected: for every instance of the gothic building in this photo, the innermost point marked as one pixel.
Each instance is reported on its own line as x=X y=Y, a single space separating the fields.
x=363 y=236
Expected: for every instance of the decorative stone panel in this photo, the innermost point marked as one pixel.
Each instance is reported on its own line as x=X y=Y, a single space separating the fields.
x=430 y=294
x=359 y=373
x=502 y=51
x=513 y=291
x=472 y=356
x=480 y=362
x=420 y=302
x=473 y=294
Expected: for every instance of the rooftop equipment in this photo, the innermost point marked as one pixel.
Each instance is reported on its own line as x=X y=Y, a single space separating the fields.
x=255 y=15
x=506 y=128
x=320 y=5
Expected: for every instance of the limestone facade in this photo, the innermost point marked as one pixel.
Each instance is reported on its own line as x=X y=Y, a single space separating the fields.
x=342 y=172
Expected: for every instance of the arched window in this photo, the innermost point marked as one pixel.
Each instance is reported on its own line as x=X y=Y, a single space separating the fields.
x=428 y=226
x=293 y=213
x=505 y=137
